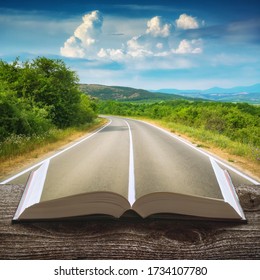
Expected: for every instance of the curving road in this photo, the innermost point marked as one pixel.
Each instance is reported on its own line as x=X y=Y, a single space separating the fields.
x=132 y=158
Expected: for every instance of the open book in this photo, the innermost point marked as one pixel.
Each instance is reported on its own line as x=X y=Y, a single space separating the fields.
x=35 y=205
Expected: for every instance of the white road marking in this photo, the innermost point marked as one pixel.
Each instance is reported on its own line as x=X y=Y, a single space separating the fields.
x=55 y=155
x=203 y=152
x=131 y=182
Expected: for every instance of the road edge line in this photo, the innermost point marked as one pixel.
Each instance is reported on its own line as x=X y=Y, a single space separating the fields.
x=255 y=182
x=6 y=181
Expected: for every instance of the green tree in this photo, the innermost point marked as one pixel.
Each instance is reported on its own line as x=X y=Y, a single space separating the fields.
x=50 y=85
x=19 y=117
x=57 y=87
x=39 y=94
x=86 y=110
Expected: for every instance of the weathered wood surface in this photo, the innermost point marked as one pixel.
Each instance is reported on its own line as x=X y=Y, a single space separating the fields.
x=130 y=238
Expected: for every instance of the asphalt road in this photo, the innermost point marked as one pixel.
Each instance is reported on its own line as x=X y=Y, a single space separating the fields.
x=133 y=158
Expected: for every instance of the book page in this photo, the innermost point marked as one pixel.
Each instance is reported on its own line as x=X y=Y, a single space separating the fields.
x=96 y=165
x=164 y=164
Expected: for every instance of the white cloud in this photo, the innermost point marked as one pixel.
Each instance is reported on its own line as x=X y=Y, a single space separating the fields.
x=139 y=46
x=157 y=28
x=115 y=54
x=72 y=48
x=89 y=29
x=84 y=37
x=187 y=22
x=189 y=47
x=103 y=53
x=155 y=43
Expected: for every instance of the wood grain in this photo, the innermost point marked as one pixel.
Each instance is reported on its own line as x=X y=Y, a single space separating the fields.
x=132 y=238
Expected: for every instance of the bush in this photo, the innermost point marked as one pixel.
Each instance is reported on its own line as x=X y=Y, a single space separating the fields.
x=37 y=95
x=238 y=122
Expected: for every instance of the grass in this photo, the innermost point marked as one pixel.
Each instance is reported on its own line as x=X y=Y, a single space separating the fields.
x=209 y=138
x=244 y=156
x=17 y=150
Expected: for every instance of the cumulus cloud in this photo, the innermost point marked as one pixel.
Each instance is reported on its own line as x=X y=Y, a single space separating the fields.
x=89 y=29
x=84 y=37
x=186 y=22
x=72 y=48
x=139 y=46
x=151 y=43
x=157 y=28
x=115 y=54
x=189 y=47
x=157 y=42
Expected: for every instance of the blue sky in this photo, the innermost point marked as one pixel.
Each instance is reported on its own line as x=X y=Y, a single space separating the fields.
x=182 y=44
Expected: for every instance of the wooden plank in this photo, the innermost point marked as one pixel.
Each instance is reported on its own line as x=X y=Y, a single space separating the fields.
x=130 y=238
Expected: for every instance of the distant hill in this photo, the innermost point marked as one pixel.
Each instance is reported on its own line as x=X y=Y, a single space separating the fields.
x=126 y=93
x=250 y=94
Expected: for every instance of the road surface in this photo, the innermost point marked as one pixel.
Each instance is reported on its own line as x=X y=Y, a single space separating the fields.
x=132 y=158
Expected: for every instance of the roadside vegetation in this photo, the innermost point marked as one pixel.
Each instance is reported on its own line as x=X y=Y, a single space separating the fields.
x=40 y=103
x=231 y=127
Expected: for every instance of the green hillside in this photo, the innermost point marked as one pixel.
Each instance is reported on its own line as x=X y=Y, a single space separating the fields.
x=126 y=93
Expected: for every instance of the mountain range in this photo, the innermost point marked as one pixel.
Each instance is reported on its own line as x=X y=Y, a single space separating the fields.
x=250 y=94
x=119 y=93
